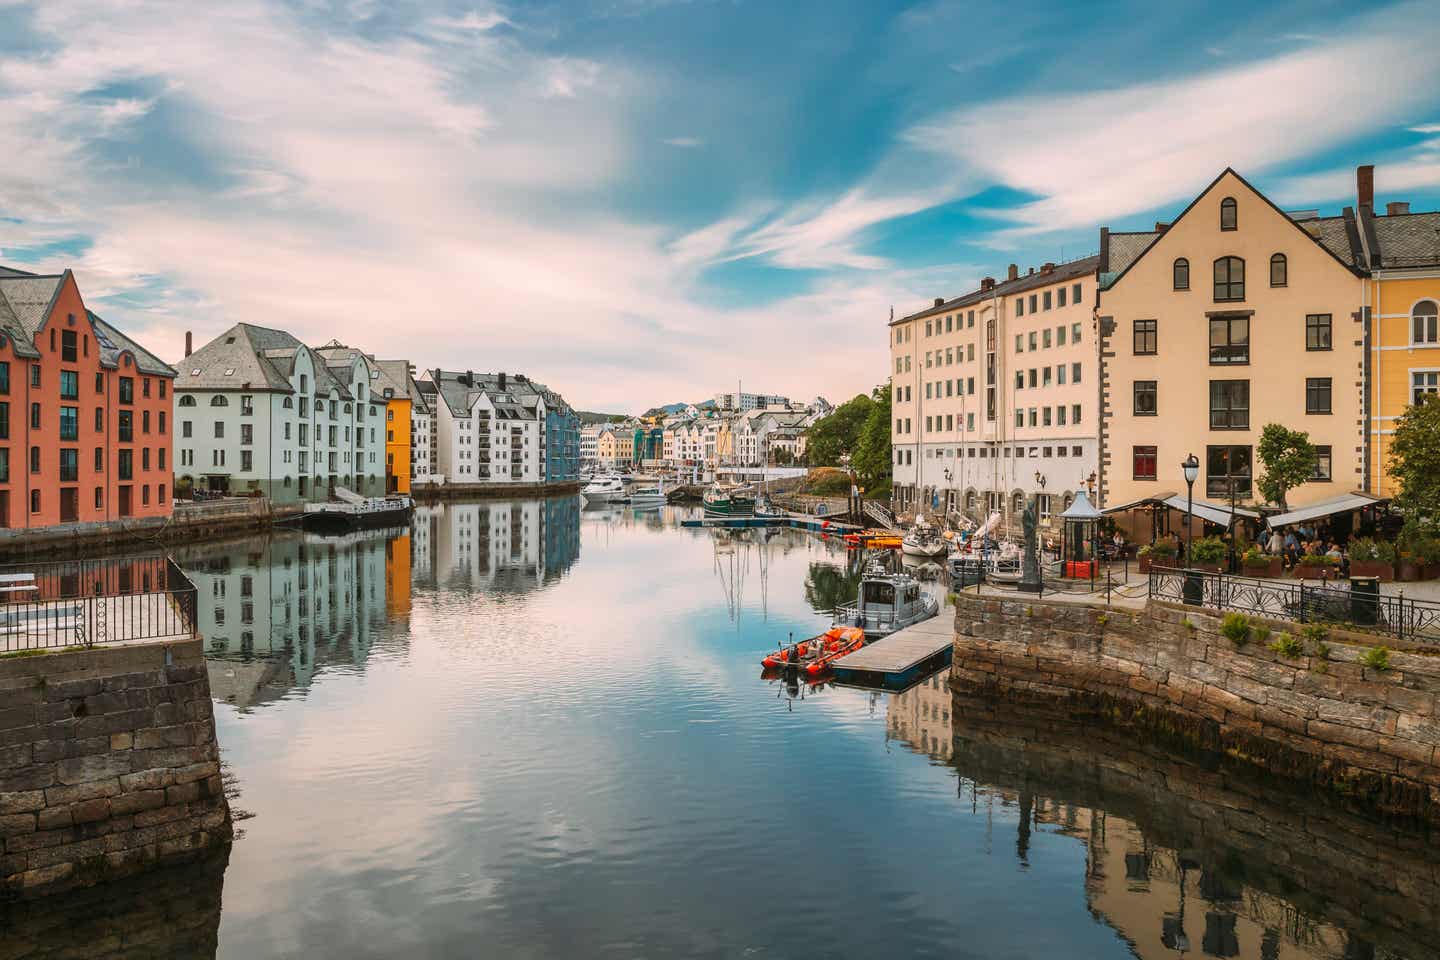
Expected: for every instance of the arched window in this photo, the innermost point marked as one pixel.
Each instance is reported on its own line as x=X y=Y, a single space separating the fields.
x=319 y=406
x=1182 y=274
x=1423 y=321
x=288 y=403
x=1229 y=279
x=1227 y=214
x=219 y=400
x=1019 y=502
x=970 y=500
x=187 y=401
x=1279 y=270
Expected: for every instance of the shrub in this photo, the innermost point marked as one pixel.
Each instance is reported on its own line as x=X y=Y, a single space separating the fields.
x=1369 y=550
x=1318 y=560
x=1163 y=550
x=1262 y=634
x=1376 y=658
x=1207 y=550
x=1236 y=628
x=1255 y=557
x=1288 y=646
x=1427 y=550
x=1315 y=632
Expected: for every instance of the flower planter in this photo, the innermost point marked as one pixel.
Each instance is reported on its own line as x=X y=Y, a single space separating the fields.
x=1372 y=568
x=1427 y=571
x=1407 y=570
x=1144 y=564
x=1316 y=571
x=1271 y=567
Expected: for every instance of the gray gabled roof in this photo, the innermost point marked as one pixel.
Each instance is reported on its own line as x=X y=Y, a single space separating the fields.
x=1408 y=240
x=394 y=375
x=113 y=343
x=245 y=352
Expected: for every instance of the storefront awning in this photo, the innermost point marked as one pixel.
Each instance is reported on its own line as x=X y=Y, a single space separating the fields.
x=1213 y=512
x=1344 y=503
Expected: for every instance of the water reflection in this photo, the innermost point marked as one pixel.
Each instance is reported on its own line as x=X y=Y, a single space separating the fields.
x=1183 y=857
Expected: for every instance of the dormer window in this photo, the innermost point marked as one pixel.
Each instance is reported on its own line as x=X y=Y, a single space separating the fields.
x=1228 y=216
x=1181 y=273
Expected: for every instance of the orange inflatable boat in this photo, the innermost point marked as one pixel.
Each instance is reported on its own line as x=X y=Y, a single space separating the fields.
x=817 y=653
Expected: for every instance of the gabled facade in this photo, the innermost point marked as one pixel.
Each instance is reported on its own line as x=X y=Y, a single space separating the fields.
x=1234 y=316
x=492 y=428
x=84 y=411
x=391 y=378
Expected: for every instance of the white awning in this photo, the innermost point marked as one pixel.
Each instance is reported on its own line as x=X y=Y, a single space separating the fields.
x=1344 y=503
x=1213 y=512
x=1136 y=504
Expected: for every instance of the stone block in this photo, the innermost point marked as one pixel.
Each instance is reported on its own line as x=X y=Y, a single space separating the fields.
x=121 y=741
x=147 y=780
x=73 y=689
x=14 y=757
x=14 y=715
x=125 y=721
x=159 y=737
x=1412 y=750
x=33 y=778
x=168 y=757
x=53 y=750
x=151 y=818
x=1358 y=757
x=16 y=824
x=1291 y=702
x=70 y=853
x=1353 y=714
x=76 y=792
x=1340 y=733
x=39 y=840
x=182 y=793
x=33 y=881
x=90 y=811
x=86 y=769
x=137 y=802
x=1418 y=729
x=1406 y=700
x=22 y=801
x=196 y=771
x=54 y=818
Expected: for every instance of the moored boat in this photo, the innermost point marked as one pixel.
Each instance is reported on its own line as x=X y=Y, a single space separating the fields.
x=603 y=490
x=721 y=502
x=886 y=602
x=815 y=654
x=925 y=541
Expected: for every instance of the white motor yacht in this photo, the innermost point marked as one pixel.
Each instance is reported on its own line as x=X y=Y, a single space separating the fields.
x=603 y=490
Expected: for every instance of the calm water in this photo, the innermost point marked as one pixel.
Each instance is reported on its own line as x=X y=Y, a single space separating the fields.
x=519 y=729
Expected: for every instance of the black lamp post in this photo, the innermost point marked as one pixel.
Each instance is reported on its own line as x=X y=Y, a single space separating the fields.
x=1191 y=468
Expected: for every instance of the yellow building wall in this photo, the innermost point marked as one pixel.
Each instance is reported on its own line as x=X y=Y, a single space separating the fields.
x=397 y=445
x=1279 y=363
x=1393 y=358
x=397 y=575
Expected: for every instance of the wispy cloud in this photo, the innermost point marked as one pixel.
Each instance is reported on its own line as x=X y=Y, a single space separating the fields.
x=686 y=142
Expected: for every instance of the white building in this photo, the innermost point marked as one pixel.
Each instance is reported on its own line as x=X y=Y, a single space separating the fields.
x=259 y=410
x=486 y=434
x=740 y=402
x=590 y=442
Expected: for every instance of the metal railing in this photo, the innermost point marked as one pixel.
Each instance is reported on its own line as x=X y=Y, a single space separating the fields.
x=86 y=603
x=1417 y=621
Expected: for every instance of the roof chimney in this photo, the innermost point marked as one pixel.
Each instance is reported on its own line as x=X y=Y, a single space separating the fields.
x=1365 y=186
x=1014 y=272
x=1030 y=272
x=1397 y=207
x=469 y=378
x=189 y=343
x=939 y=300
x=1161 y=227
x=1048 y=268
x=502 y=379
x=987 y=284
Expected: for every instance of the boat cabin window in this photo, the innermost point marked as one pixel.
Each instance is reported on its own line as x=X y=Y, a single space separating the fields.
x=879 y=592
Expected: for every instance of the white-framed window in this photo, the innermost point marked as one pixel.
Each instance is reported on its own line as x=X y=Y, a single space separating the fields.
x=1423 y=322
x=1423 y=383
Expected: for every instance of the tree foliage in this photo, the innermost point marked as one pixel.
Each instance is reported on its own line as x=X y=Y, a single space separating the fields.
x=860 y=429
x=872 y=454
x=1289 y=460
x=1415 y=460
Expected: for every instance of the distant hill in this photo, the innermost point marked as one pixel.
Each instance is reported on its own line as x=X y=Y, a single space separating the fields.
x=587 y=416
x=670 y=408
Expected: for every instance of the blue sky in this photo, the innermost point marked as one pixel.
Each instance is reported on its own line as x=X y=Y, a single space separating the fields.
x=646 y=200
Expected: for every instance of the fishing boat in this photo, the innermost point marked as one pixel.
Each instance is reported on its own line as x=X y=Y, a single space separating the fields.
x=815 y=655
x=874 y=540
x=348 y=511
x=721 y=502
x=603 y=490
x=886 y=602
x=925 y=541
x=648 y=495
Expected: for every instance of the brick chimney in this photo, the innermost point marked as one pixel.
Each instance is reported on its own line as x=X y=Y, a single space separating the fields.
x=939 y=301
x=1161 y=227
x=189 y=343
x=1365 y=186
x=1048 y=268
x=502 y=379
x=1014 y=273
x=987 y=284
x=1397 y=207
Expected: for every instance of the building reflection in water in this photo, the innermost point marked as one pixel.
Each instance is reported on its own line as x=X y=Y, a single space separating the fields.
x=1182 y=857
x=277 y=609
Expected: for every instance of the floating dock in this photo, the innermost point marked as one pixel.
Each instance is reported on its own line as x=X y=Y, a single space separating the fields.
x=794 y=520
x=902 y=658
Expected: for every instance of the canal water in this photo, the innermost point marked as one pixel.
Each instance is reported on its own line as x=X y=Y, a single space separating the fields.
x=523 y=729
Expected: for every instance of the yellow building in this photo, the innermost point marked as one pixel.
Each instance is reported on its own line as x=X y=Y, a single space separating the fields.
x=1402 y=295
x=392 y=383
x=1235 y=316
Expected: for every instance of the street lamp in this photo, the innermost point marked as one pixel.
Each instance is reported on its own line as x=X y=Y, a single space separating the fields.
x=1191 y=468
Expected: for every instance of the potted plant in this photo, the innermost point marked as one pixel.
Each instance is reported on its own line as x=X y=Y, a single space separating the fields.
x=1426 y=553
x=1372 y=558
x=1161 y=554
x=1258 y=563
x=1207 y=554
x=1317 y=566
x=1408 y=564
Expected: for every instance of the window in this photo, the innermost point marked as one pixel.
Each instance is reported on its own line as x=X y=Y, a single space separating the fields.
x=247 y=460
x=4 y=376
x=70 y=423
x=1228 y=214
x=1019 y=306
x=1019 y=343
x=127 y=464
x=1047 y=300
x=4 y=421
x=68 y=343
x=1229 y=340
x=1075 y=372
x=1181 y=272
x=69 y=466
x=1075 y=293
x=1423 y=324
x=1229 y=279
x=1060 y=297
x=1033 y=301
x=1423 y=383
x=1034 y=344
x=99 y=380
x=1226 y=469
x=1075 y=416
x=160 y=458
x=1229 y=404
x=1146 y=339
x=4 y=464
x=219 y=429
x=1019 y=379
x=1060 y=333
x=1317 y=394
x=35 y=377
x=127 y=389
x=247 y=405
x=35 y=499
x=1323 y=460
x=219 y=400
x=69 y=384
x=144 y=421
x=1046 y=338
x=1146 y=397
x=186 y=401
x=1317 y=331
x=34 y=416
x=162 y=420
x=127 y=426
x=1279 y=270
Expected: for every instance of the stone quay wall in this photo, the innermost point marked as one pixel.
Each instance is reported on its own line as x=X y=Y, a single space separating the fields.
x=108 y=764
x=1371 y=735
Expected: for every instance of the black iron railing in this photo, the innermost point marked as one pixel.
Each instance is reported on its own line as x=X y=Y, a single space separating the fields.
x=1337 y=602
x=91 y=602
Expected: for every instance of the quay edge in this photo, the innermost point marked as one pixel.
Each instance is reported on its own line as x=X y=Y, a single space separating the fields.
x=1369 y=736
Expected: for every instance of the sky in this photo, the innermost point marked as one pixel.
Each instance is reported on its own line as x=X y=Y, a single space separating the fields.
x=645 y=201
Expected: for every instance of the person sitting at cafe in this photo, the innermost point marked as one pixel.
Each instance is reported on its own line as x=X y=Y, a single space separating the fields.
x=1276 y=545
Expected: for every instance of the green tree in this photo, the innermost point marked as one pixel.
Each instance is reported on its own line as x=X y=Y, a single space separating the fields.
x=1289 y=460
x=873 y=457
x=1415 y=460
x=831 y=439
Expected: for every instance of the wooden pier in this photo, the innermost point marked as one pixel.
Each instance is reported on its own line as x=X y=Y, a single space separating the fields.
x=902 y=658
x=793 y=520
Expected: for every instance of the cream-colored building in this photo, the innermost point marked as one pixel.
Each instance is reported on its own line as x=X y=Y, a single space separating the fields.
x=994 y=395
x=1236 y=315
